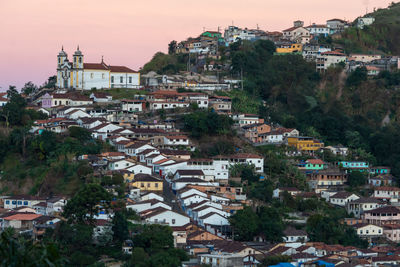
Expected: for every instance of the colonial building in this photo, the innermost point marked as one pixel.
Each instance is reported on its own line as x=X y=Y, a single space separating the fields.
x=86 y=76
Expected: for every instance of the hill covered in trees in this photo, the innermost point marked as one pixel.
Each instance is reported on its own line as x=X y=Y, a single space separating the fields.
x=382 y=36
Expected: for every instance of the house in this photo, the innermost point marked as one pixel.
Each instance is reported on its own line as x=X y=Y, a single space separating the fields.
x=336 y=25
x=139 y=168
x=133 y=105
x=20 y=221
x=365 y=21
x=379 y=170
x=365 y=230
x=294 y=235
x=202 y=210
x=213 y=219
x=382 y=215
x=297 y=34
x=100 y=97
x=253 y=131
x=76 y=114
x=318 y=29
x=120 y=164
x=293 y=191
x=338 y=150
x=314 y=165
x=381 y=180
x=244 y=158
x=149 y=204
x=176 y=140
x=146 y=182
x=21 y=201
x=349 y=166
x=358 y=206
x=392 y=232
x=328 y=59
x=164 y=216
x=221 y=104
x=272 y=137
x=151 y=195
x=372 y=70
x=188 y=200
x=342 y=198
x=305 y=144
x=182 y=182
x=325 y=179
x=189 y=174
x=187 y=191
x=218 y=259
x=246 y=119
x=289 y=48
x=387 y=193
x=213 y=169
x=177 y=154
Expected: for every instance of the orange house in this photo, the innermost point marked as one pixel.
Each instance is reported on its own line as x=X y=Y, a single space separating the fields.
x=253 y=131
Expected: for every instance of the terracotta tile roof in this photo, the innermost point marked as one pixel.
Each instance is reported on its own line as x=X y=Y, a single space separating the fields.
x=121 y=69
x=386 y=209
x=290 y=231
x=142 y=177
x=22 y=217
x=387 y=188
x=333 y=53
x=174 y=152
x=315 y=161
x=210 y=214
x=95 y=66
x=190 y=172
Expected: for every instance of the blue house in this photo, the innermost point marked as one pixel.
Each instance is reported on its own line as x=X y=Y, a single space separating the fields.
x=379 y=170
x=349 y=166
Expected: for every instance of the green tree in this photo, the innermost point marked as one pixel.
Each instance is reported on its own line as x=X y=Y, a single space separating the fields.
x=120 y=227
x=245 y=224
x=86 y=203
x=172 y=47
x=29 y=88
x=356 y=178
x=13 y=111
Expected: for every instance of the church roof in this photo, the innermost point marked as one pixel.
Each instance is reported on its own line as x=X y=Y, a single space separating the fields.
x=95 y=66
x=122 y=69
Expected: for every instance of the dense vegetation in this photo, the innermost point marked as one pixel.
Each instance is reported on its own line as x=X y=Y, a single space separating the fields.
x=382 y=36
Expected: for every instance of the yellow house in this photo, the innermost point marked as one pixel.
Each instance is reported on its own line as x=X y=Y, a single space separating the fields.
x=146 y=182
x=289 y=48
x=307 y=144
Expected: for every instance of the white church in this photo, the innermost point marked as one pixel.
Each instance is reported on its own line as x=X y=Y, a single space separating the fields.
x=86 y=76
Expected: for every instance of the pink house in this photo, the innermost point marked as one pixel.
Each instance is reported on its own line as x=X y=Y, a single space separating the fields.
x=383 y=215
x=46 y=100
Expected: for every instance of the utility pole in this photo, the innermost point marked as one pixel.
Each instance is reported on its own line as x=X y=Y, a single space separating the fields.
x=241 y=76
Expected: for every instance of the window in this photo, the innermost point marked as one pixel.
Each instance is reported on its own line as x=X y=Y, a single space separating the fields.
x=25 y=203
x=103 y=76
x=80 y=60
x=59 y=60
x=121 y=79
x=112 y=79
x=173 y=221
x=7 y=201
x=91 y=75
x=156 y=185
x=142 y=184
x=19 y=202
x=130 y=79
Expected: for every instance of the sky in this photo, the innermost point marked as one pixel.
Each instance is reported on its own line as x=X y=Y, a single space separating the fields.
x=130 y=32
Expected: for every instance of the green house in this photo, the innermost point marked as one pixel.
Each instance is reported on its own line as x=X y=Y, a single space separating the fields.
x=314 y=165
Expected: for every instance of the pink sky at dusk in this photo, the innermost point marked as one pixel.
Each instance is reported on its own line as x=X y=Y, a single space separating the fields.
x=129 y=32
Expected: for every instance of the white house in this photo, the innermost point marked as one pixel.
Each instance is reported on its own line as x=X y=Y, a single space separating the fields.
x=100 y=97
x=139 y=168
x=188 y=200
x=214 y=219
x=330 y=58
x=365 y=230
x=294 y=235
x=176 y=140
x=203 y=210
x=132 y=105
x=21 y=201
x=342 y=198
x=148 y=205
x=359 y=206
x=190 y=191
x=120 y=164
x=181 y=183
x=76 y=114
x=164 y=216
x=151 y=195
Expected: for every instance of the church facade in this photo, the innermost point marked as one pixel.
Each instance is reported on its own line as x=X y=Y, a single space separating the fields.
x=86 y=76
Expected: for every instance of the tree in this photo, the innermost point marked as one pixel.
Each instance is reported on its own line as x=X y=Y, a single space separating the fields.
x=29 y=88
x=13 y=111
x=86 y=203
x=271 y=224
x=154 y=237
x=172 y=47
x=120 y=227
x=80 y=133
x=357 y=178
x=357 y=76
x=245 y=224
x=19 y=252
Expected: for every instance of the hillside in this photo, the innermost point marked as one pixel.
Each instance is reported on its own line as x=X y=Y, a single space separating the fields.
x=380 y=37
